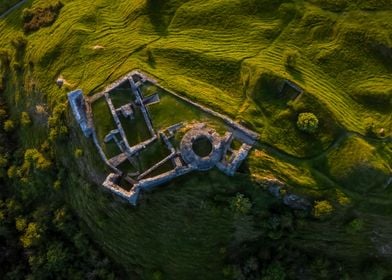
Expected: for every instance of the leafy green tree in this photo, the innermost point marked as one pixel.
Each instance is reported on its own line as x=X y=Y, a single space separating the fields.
x=33 y=158
x=20 y=223
x=31 y=236
x=307 y=122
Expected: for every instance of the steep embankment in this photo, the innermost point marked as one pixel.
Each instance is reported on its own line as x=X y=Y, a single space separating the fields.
x=234 y=56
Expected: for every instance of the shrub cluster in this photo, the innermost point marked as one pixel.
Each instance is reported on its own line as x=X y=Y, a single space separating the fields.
x=322 y=209
x=34 y=19
x=307 y=122
x=240 y=204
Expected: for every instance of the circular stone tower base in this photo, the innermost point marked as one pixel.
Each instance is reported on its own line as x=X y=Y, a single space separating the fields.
x=188 y=153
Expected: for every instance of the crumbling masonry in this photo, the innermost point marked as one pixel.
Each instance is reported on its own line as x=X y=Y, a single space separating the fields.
x=183 y=158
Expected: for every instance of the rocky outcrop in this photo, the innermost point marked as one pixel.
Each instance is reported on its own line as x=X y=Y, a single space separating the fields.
x=296 y=202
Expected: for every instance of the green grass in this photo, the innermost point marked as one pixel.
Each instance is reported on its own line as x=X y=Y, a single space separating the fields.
x=7 y=4
x=136 y=130
x=187 y=240
x=230 y=56
x=104 y=123
x=121 y=97
x=356 y=165
x=172 y=110
x=152 y=155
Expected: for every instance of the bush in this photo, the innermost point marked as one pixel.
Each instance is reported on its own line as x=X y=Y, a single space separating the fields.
x=31 y=236
x=291 y=59
x=57 y=128
x=25 y=119
x=307 y=122
x=240 y=204
x=9 y=125
x=57 y=185
x=322 y=209
x=355 y=225
x=33 y=158
x=12 y=172
x=78 y=153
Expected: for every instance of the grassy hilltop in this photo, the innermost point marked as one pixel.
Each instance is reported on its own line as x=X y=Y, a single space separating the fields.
x=232 y=56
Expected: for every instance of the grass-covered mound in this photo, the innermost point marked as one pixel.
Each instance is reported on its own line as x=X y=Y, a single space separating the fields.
x=375 y=93
x=356 y=165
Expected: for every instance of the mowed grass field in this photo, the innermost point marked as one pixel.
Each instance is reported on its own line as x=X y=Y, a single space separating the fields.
x=230 y=55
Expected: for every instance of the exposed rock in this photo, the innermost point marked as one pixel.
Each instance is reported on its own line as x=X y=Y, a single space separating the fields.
x=60 y=82
x=296 y=202
x=98 y=47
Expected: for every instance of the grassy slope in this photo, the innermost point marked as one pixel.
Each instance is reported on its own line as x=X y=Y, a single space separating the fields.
x=217 y=52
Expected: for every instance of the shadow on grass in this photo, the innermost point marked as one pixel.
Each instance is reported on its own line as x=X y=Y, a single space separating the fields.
x=155 y=11
x=295 y=74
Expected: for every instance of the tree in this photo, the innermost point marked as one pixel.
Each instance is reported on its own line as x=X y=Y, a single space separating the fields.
x=20 y=223
x=31 y=236
x=307 y=122
x=33 y=158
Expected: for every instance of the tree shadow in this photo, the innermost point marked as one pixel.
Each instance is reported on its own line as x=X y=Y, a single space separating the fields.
x=158 y=18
